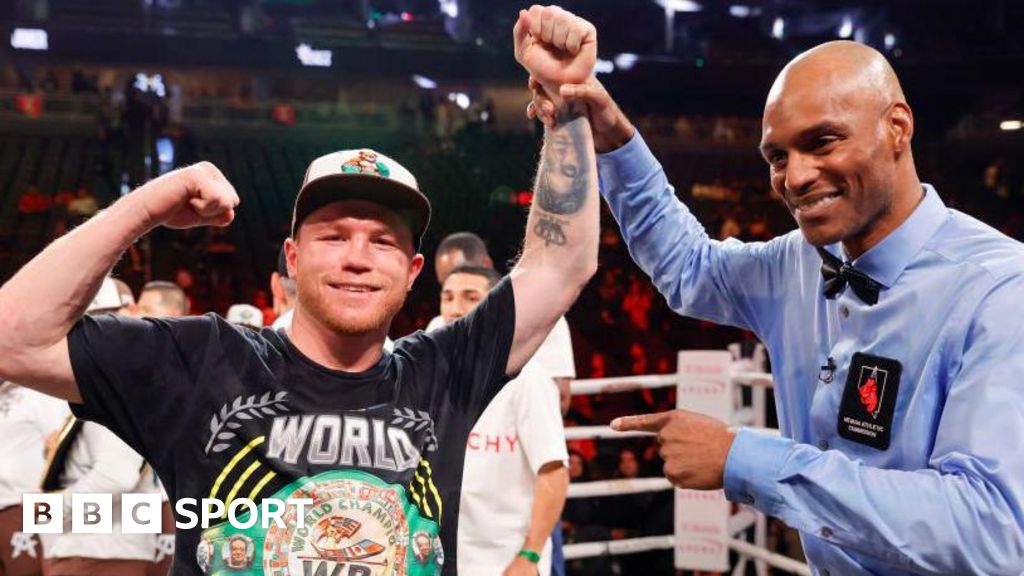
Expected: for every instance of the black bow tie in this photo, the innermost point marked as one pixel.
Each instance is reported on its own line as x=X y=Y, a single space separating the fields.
x=838 y=274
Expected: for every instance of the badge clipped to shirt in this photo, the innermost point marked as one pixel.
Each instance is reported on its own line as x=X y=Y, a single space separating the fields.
x=869 y=400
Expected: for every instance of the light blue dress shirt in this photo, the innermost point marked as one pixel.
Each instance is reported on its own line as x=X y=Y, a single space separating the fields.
x=946 y=497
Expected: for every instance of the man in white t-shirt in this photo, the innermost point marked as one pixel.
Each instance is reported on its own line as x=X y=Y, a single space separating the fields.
x=90 y=459
x=27 y=417
x=555 y=354
x=515 y=476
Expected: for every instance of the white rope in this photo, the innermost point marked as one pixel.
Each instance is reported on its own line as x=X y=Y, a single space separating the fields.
x=596 y=432
x=616 y=547
x=627 y=384
x=588 y=432
x=616 y=487
x=633 y=383
x=632 y=545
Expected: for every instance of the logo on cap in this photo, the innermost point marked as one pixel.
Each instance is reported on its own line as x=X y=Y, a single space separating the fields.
x=366 y=162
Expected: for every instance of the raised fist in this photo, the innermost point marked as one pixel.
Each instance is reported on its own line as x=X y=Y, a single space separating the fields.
x=198 y=195
x=555 y=46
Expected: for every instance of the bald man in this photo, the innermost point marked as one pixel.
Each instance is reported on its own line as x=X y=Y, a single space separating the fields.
x=893 y=324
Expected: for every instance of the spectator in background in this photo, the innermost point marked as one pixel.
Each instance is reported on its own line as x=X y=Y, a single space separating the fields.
x=33 y=201
x=519 y=443
x=583 y=519
x=555 y=354
x=88 y=458
x=162 y=299
x=27 y=417
x=84 y=205
x=282 y=287
x=245 y=315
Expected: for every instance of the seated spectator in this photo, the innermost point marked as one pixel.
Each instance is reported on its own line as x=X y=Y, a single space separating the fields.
x=84 y=205
x=33 y=201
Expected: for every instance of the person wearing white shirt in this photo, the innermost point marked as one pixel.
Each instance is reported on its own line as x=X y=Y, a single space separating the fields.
x=555 y=354
x=95 y=461
x=27 y=417
x=517 y=447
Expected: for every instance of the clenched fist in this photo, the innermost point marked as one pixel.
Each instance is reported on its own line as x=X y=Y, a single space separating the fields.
x=198 y=195
x=555 y=46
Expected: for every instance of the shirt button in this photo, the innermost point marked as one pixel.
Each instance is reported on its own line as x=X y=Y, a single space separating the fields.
x=826 y=532
x=844 y=311
x=823 y=444
x=748 y=499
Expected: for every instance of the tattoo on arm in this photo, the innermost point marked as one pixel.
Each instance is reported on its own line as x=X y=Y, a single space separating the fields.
x=564 y=178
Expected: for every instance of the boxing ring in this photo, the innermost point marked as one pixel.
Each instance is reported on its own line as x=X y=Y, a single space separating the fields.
x=714 y=383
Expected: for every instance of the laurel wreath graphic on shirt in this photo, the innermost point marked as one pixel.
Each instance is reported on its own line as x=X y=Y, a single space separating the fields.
x=223 y=426
x=416 y=420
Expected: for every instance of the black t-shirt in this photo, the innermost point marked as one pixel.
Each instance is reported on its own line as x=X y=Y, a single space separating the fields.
x=223 y=412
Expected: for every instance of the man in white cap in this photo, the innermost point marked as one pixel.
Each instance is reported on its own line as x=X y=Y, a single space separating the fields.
x=376 y=439
x=245 y=315
x=282 y=288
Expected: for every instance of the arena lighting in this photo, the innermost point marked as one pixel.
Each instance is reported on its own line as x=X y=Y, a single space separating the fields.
x=680 y=5
x=626 y=60
x=424 y=82
x=310 y=57
x=778 y=28
x=604 y=67
x=449 y=8
x=741 y=11
x=846 y=29
x=1010 y=125
x=30 y=39
x=151 y=84
x=461 y=99
x=890 y=41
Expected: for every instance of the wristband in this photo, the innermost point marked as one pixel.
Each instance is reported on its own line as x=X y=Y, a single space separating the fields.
x=529 y=555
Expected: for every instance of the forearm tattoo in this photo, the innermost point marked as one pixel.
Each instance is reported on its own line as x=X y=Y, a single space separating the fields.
x=564 y=178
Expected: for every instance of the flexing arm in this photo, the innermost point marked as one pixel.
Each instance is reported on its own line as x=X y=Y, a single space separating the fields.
x=560 y=249
x=44 y=300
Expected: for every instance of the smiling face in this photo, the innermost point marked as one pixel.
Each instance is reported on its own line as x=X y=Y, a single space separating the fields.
x=834 y=132
x=354 y=263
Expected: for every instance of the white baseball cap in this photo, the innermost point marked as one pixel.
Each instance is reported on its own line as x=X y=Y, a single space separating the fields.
x=108 y=299
x=362 y=174
x=245 y=315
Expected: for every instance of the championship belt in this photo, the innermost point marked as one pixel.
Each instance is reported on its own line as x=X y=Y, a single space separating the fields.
x=357 y=525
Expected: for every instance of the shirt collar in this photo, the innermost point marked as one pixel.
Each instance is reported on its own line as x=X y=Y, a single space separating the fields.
x=887 y=260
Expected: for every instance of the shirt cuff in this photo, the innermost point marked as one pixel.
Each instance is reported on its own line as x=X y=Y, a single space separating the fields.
x=631 y=162
x=752 y=469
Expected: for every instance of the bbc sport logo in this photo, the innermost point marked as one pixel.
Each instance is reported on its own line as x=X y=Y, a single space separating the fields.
x=141 y=513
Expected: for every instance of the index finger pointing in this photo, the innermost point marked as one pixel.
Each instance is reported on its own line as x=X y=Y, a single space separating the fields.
x=642 y=422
